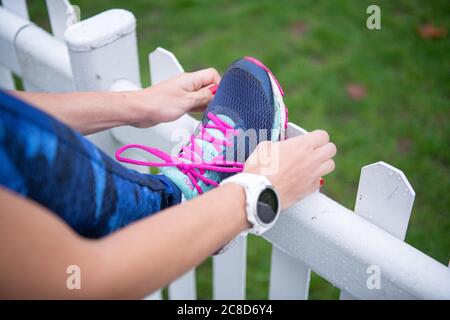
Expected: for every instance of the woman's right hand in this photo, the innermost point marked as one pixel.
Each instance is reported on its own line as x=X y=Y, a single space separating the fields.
x=294 y=166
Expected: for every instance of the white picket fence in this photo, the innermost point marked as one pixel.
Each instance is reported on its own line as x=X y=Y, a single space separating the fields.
x=348 y=248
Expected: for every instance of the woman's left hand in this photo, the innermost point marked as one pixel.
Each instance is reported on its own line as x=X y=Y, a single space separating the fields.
x=170 y=99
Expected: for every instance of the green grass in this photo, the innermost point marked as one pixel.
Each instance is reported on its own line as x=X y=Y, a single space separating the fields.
x=403 y=120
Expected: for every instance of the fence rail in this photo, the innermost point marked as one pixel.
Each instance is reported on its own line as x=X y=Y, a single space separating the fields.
x=348 y=248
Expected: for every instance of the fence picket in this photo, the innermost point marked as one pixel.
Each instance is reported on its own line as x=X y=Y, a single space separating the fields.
x=62 y=15
x=12 y=24
x=289 y=277
x=184 y=288
x=157 y=295
x=18 y=7
x=384 y=198
x=229 y=271
x=98 y=64
x=163 y=65
x=6 y=79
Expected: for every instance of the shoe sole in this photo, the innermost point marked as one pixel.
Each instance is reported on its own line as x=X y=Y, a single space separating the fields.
x=278 y=94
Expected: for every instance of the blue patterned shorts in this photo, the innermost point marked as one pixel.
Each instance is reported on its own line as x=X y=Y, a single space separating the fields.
x=46 y=161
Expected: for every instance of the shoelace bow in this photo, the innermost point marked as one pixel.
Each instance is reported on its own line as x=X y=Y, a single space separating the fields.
x=195 y=169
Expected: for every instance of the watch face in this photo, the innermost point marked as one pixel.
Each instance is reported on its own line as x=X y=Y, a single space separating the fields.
x=267 y=208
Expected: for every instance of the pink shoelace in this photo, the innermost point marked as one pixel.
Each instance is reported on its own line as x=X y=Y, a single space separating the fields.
x=195 y=169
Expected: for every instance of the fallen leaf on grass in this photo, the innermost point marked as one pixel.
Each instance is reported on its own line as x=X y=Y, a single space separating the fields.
x=404 y=145
x=428 y=31
x=356 y=92
x=299 y=28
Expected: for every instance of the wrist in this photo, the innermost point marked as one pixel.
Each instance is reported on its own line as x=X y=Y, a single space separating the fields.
x=239 y=198
x=122 y=105
x=138 y=108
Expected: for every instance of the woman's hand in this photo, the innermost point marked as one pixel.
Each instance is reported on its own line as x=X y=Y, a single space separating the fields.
x=294 y=166
x=91 y=112
x=170 y=99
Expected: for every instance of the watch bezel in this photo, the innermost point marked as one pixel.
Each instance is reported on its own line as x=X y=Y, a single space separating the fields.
x=265 y=224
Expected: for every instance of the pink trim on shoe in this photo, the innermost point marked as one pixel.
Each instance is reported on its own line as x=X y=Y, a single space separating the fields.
x=260 y=64
x=287 y=117
x=263 y=66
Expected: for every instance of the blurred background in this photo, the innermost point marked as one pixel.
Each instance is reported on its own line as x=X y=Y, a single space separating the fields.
x=381 y=94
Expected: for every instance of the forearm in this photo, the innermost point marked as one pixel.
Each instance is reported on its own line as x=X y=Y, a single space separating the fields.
x=90 y=112
x=151 y=253
x=128 y=264
x=87 y=112
x=36 y=248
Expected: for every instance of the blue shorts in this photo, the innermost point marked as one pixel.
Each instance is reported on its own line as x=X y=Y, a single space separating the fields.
x=46 y=161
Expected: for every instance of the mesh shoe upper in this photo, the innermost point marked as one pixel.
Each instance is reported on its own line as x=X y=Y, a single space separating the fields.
x=245 y=95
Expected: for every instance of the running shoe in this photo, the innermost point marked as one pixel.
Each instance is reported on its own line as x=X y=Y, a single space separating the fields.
x=247 y=109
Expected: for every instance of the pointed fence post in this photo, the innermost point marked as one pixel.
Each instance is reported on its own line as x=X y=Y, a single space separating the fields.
x=164 y=65
x=18 y=7
x=62 y=15
x=229 y=271
x=164 y=136
x=102 y=50
x=6 y=79
x=384 y=198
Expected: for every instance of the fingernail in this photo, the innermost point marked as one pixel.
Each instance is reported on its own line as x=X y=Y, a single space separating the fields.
x=321 y=181
x=213 y=89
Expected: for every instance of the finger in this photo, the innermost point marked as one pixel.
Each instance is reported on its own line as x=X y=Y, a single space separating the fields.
x=326 y=152
x=296 y=143
x=326 y=167
x=203 y=78
x=200 y=99
x=318 y=138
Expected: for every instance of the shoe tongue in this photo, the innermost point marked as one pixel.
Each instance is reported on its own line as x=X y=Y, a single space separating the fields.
x=209 y=152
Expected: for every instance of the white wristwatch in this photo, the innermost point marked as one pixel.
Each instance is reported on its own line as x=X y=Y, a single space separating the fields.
x=262 y=202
